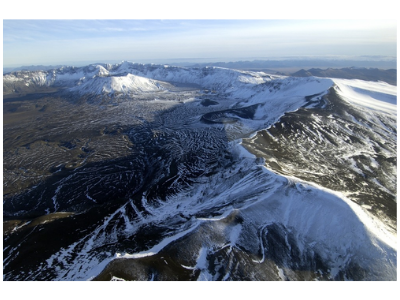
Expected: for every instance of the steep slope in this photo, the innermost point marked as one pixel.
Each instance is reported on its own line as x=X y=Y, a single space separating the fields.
x=348 y=145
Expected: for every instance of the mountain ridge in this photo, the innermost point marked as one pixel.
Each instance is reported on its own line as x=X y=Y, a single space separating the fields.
x=76 y=78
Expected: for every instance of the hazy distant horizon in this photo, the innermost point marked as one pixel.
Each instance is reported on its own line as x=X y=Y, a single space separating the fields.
x=72 y=42
x=221 y=59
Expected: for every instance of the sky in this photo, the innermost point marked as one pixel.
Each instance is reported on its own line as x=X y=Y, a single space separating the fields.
x=73 y=41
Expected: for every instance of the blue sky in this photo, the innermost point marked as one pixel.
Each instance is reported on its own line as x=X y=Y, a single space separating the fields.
x=31 y=42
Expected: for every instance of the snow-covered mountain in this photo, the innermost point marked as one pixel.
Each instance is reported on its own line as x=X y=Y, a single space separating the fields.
x=117 y=84
x=121 y=77
x=242 y=176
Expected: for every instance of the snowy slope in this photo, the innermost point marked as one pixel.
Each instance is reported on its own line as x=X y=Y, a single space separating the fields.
x=281 y=219
x=377 y=96
x=121 y=84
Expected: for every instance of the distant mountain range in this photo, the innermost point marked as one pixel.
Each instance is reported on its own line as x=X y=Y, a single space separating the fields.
x=31 y=68
x=357 y=69
x=303 y=64
x=369 y=74
x=257 y=64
